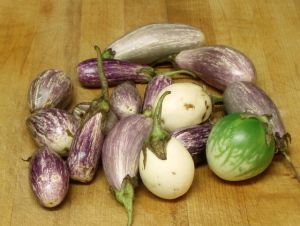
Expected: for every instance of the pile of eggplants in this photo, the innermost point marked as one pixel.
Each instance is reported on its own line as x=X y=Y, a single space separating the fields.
x=110 y=130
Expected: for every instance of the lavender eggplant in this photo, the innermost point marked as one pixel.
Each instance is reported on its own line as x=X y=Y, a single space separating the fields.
x=216 y=65
x=49 y=177
x=117 y=71
x=151 y=42
x=86 y=148
x=80 y=109
x=50 y=89
x=126 y=100
x=120 y=156
x=53 y=128
x=194 y=138
x=243 y=96
x=153 y=88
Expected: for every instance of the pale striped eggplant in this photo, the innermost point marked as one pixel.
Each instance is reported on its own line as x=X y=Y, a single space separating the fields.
x=50 y=89
x=53 y=128
x=126 y=100
x=49 y=177
x=151 y=42
x=217 y=65
x=153 y=88
x=120 y=157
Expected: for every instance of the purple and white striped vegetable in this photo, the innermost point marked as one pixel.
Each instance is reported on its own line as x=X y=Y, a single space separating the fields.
x=120 y=157
x=126 y=100
x=194 y=139
x=217 y=65
x=153 y=88
x=85 y=152
x=245 y=96
x=53 y=128
x=80 y=109
x=49 y=177
x=151 y=42
x=50 y=89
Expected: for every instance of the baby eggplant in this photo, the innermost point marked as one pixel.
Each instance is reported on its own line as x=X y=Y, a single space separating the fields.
x=217 y=65
x=53 y=128
x=50 y=89
x=151 y=42
x=49 y=177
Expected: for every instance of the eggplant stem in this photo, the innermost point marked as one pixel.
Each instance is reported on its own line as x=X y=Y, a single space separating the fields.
x=169 y=73
x=216 y=99
x=291 y=164
x=167 y=59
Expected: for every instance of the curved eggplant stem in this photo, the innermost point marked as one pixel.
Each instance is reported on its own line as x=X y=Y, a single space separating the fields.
x=291 y=164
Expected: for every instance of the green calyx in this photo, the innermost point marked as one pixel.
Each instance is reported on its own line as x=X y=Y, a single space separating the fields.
x=126 y=195
x=158 y=139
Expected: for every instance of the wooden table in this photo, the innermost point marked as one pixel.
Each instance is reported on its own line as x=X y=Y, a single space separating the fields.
x=37 y=35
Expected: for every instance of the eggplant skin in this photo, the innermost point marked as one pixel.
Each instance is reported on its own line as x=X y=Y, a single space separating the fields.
x=245 y=96
x=217 y=65
x=122 y=147
x=194 y=139
x=151 y=42
x=49 y=177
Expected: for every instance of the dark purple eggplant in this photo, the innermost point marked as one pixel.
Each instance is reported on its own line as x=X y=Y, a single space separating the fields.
x=49 y=177
x=217 y=65
x=245 y=96
x=50 y=89
x=120 y=157
x=153 y=88
x=194 y=140
x=53 y=128
x=126 y=100
x=151 y=42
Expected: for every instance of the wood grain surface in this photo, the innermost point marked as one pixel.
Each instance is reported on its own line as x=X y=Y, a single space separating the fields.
x=36 y=35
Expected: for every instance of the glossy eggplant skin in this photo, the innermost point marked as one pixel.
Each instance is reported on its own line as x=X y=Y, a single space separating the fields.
x=122 y=147
x=126 y=100
x=153 y=88
x=116 y=71
x=194 y=139
x=49 y=177
x=85 y=151
x=50 y=89
x=151 y=42
x=246 y=96
x=53 y=128
x=217 y=65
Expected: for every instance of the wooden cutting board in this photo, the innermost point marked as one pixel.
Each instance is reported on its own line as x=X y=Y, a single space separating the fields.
x=38 y=35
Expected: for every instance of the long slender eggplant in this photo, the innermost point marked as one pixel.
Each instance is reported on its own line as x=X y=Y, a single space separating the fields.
x=117 y=71
x=245 y=96
x=53 y=128
x=216 y=65
x=153 y=88
x=194 y=140
x=126 y=100
x=85 y=152
x=151 y=42
x=50 y=89
x=49 y=177
x=120 y=157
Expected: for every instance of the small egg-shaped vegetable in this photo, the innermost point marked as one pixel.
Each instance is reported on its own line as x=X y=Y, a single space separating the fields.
x=240 y=147
x=53 y=128
x=49 y=177
x=50 y=89
x=188 y=104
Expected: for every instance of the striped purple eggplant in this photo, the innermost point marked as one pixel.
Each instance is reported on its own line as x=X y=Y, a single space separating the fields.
x=116 y=72
x=53 y=128
x=126 y=100
x=120 y=156
x=194 y=140
x=50 y=89
x=153 y=88
x=151 y=42
x=85 y=151
x=217 y=65
x=49 y=177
